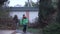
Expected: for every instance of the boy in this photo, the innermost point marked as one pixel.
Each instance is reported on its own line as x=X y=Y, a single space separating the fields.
x=24 y=22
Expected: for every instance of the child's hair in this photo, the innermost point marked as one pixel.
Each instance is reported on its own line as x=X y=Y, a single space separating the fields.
x=23 y=14
x=15 y=17
x=24 y=17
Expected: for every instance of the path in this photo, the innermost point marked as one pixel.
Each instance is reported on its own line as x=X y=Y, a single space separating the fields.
x=21 y=32
x=12 y=32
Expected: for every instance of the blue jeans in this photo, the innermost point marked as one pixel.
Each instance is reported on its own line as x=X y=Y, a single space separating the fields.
x=24 y=28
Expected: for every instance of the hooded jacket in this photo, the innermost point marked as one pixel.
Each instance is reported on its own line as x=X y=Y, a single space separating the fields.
x=24 y=21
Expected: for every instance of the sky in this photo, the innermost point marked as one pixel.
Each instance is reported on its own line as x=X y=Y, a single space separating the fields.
x=20 y=2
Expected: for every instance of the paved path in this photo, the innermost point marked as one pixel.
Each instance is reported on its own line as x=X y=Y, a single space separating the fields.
x=6 y=31
x=21 y=32
x=12 y=32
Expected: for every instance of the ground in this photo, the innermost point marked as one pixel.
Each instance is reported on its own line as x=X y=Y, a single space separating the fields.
x=12 y=32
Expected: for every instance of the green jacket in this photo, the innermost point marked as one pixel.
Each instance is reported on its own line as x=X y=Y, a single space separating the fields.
x=24 y=22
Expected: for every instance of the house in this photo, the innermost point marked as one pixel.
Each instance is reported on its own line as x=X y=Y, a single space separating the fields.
x=30 y=12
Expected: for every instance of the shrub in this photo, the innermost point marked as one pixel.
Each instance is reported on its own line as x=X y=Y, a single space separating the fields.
x=53 y=28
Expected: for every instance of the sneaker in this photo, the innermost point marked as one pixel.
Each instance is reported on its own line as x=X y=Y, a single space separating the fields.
x=24 y=31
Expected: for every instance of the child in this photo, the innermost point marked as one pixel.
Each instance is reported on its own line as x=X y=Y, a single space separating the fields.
x=24 y=22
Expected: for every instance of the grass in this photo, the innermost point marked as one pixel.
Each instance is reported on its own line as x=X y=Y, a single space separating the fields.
x=32 y=30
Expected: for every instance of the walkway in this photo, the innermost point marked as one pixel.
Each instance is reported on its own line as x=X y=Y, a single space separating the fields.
x=12 y=32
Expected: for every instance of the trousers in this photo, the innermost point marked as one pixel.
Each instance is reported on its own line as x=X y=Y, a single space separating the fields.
x=24 y=28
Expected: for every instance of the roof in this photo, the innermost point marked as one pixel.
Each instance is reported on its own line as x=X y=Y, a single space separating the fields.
x=23 y=8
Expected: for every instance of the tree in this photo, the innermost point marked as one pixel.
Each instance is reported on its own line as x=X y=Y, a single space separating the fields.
x=58 y=16
x=52 y=27
x=17 y=5
x=3 y=11
x=46 y=14
x=33 y=4
x=6 y=4
x=2 y=2
x=46 y=9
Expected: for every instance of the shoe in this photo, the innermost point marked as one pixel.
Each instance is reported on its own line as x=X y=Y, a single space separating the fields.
x=24 y=31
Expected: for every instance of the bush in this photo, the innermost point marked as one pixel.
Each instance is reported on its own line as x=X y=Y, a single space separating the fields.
x=7 y=23
x=34 y=24
x=53 y=28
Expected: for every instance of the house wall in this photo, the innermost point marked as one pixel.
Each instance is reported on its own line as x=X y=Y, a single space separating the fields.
x=32 y=14
x=19 y=14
